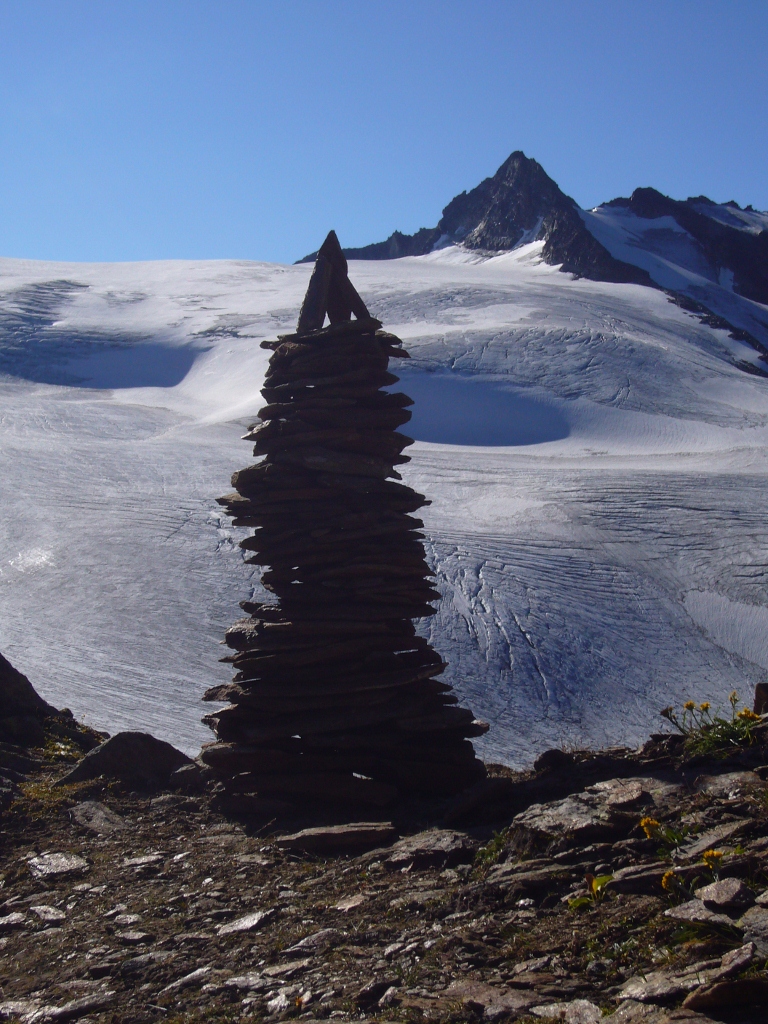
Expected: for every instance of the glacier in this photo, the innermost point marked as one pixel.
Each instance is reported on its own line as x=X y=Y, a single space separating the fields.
x=595 y=456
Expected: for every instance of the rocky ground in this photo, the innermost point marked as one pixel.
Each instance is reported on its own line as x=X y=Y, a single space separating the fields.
x=123 y=906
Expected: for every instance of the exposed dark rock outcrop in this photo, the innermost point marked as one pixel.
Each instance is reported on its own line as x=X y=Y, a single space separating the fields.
x=724 y=246
x=22 y=709
x=26 y=723
x=136 y=758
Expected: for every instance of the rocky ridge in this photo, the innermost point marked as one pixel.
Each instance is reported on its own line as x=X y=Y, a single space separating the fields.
x=534 y=896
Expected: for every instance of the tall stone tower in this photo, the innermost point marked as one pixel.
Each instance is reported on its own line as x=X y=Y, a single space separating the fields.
x=335 y=698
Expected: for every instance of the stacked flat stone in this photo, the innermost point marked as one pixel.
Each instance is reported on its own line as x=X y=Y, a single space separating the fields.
x=335 y=697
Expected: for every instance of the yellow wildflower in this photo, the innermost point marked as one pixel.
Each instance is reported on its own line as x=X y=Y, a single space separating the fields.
x=689 y=705
x=748 y=715
x=733 y=697
x=712 y=858
x=668 y=881
x=705 y=706
x=649 y=826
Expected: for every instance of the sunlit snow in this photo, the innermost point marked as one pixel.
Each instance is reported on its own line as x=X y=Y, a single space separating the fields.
x=595 y=458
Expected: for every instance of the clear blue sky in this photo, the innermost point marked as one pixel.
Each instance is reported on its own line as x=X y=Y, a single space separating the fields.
x=152 y=129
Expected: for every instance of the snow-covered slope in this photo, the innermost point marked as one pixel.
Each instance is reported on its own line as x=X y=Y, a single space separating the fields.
x=595 y=457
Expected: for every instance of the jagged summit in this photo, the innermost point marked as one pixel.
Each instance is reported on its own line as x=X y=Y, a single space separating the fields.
x=519 y=204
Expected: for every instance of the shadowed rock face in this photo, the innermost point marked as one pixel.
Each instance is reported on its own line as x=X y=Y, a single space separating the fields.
x=18 y=696
x=22 y=709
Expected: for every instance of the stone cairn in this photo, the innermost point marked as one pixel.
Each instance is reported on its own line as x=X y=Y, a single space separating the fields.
x=335 y=697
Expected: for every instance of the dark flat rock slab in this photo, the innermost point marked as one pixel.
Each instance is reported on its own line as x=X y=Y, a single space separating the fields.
x=354 y=837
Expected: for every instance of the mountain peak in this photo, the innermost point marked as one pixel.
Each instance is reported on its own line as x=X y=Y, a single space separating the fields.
x=519 y=204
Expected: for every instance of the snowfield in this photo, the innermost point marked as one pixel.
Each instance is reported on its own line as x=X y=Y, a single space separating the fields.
x=595 y=457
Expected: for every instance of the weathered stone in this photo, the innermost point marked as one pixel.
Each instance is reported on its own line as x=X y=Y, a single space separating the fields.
x=370 y=993
x=12 y=921
x=57 y=865
x=737 y=960
x=97 y=817
x=728 y=786
x=622 y=793
x=640 y=878
x=317 y=941
x=728 y=894
x=134 y=938
x=192 y=980
x=287 y=970
x=570 y=818
x=743 y=993
x=251 y=982
x=490 y=1000
x=696 y=912
x=18 y=1009
x=126 y=920
x=755 y=926
x=144 y=861
x=74 y=1009
x=139 y=964
x=136 y=758
x=247 y=923
x=712 y=839
x=516 y=877
x=633 y=1012
x=577 y=1011
x=435 y=848
x=667 y=986
x=279 y=1003
x=355 y=837
x=49 y=915
x=350 y=902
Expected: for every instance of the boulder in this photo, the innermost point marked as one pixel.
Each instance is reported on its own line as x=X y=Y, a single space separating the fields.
x=136 y=758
